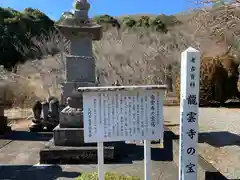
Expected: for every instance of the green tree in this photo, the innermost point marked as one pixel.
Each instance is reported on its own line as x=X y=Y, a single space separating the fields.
x=144 y=21
x=159 y=25
x=16 y=30
x=129 y=22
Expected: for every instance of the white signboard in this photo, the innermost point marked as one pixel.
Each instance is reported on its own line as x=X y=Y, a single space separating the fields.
x=123 y=115
x=190 y=75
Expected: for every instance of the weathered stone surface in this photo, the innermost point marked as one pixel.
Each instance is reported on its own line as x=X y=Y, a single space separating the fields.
x=54 y=110
x=81 y=47
x=78 y=23
x=46 y=115
x=45 y=108
x=71 y=118
x=76 y=102
x=81 y=8
x=37 y=110
x=69 y=89
x=73 y=28
x=68 y=136
x=80 y=72
x=80 y=69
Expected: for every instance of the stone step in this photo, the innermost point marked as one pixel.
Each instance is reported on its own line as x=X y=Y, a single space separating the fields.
x=86 y=154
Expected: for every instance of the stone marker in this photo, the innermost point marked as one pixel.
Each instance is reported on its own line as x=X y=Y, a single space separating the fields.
x=45 y=108
x=68 y=142
x=189 y=104
x=3 y=119
x=37 y=111
x=46 y=115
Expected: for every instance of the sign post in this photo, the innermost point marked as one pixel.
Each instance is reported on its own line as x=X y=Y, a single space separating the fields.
x=100 y=161
x=147 y=159
x=189 y=103
x=123 y=113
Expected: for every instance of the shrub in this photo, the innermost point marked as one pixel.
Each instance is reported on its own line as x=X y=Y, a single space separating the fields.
x=17 y=29
x=107 y=21
x=16 y=91
x=230 y=89
x=129 y=22
x=218 y=80
x=167 y=20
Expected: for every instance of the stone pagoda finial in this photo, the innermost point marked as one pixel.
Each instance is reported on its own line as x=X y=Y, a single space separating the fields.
x=81 y=8
x=77 y=24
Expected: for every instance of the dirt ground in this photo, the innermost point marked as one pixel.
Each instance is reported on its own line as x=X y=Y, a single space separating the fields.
x=219 y=137
x=219 y=129
x=19 y=157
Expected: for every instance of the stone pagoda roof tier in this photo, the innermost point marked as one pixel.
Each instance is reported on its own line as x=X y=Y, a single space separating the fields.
x=76 y=29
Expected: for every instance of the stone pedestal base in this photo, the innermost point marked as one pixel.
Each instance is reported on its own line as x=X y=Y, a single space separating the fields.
x=68 y=136
x=71 y=118
x=87 y=154
x=68 y=147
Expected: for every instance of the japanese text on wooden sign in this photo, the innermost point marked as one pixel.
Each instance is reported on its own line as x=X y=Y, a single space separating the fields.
x=190 y=67
x=123 y=115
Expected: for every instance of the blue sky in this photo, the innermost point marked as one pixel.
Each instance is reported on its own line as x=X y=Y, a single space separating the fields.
x=54 y=8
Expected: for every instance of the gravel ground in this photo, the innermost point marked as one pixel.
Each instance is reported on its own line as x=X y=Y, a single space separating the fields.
x=219 y=140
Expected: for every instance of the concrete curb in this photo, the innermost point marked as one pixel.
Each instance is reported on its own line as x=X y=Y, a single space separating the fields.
x=205 y=170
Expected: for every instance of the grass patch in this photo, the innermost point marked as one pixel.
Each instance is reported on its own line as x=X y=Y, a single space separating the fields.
x=108 y=176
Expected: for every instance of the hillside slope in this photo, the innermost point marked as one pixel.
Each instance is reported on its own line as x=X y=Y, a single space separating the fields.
x=133 y=50
x=32 y=25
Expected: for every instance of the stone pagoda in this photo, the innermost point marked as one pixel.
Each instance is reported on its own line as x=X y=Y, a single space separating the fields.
x=68 y=143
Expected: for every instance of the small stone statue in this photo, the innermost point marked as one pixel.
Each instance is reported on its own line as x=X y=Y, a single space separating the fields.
x=46 y=114
x=50 y=112
x=54 y=109
x=37 y=110
x=45 y=108
x=71 y=116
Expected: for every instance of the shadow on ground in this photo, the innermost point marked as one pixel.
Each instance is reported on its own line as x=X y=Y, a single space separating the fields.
x=216 y=139
x=210 y=172
x=27 y=136
x=219 y=139
x=38 y=172
x=128 y=153
x=231 y=103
